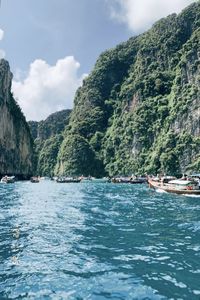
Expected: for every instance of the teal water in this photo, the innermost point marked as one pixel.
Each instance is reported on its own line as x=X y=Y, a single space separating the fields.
x=97 y=241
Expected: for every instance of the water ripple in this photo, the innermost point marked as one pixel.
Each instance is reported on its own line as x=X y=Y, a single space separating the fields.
x=97 y=241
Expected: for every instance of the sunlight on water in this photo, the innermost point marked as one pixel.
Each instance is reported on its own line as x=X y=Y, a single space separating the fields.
x=160 y=191
x=97 y=241
x=193 y=196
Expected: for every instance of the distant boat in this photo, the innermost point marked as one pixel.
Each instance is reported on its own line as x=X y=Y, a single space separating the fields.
x=176 y=186
x=35 y=179
x=100 y=180
x=45 y=178
x=8 y=179
x=130 y=180
x=138 y=181
x=120 y=179
x=94 y=179
x=85 y=179
x=68 y=180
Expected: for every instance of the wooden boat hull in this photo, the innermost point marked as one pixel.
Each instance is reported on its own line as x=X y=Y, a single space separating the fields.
x=7 y=181
x=159 y=186
x=137 y=181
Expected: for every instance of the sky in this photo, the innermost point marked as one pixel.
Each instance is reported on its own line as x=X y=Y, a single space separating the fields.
x=52 y=45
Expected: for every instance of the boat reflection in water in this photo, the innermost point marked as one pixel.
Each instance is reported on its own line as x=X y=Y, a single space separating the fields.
x=169 y=184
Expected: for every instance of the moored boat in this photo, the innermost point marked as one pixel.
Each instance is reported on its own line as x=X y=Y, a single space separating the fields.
x=68 y=180
x=45 y=178
x=130 y=180
x=94 y=179
x=8 y=179
x=85 y=179
x=176 y=186
x=35 y=179
x=120 y=179
x=138 y=180
x=100 y=180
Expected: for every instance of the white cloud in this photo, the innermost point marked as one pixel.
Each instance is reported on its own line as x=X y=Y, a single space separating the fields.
x=46 y=88
x=1 y=34
x=139 y=15
x=2 y=52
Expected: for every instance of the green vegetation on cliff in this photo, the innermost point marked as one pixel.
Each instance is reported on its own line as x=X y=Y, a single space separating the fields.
x=48 y=136
x=138 y=110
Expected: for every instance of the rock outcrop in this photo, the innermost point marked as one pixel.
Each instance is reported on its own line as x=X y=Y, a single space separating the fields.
x=16 y=144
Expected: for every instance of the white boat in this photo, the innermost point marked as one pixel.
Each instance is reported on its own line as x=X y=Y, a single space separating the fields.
x=68 y=180
x=35 y=179
x=177 y=186
x=44 y=178
x=8 y=179
x=94 y=179
x=100 y=180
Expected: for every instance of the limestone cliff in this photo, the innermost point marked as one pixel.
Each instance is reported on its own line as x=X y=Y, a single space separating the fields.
x=16 y=145
x=139 y=109
x=52 y=125
x=48 y=136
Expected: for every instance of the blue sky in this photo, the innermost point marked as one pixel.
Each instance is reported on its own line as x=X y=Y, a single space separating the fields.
x=52 y=29
x=52 y=44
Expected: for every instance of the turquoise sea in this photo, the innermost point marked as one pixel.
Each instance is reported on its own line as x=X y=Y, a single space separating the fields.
x=97 y=241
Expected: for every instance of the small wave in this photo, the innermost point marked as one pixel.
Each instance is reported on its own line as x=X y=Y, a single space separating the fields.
x=161 y=191
x=60 y=239
x=161 y=258
x=194 y=226
x=192 y=196
x=2 y=217
x=174 y=281
x=135 y=257
x=196 y=292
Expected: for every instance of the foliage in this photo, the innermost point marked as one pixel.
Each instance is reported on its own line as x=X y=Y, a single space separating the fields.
x=47 y=156
x=76 y=157
x=48 y=138
x=138 y=109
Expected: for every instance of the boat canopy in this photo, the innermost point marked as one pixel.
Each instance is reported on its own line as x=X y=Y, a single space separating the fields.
x=181 y=182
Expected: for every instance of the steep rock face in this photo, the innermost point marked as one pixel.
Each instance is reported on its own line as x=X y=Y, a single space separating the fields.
x=138 y=110
x=16 y=145
x=48 y=136
x=188 y=75
x=187 y=120
x=52 y=125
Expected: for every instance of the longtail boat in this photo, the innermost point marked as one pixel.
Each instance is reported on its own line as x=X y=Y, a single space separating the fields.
x=176 y=186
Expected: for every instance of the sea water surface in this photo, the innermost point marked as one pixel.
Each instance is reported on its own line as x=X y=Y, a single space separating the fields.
x=97 y=241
